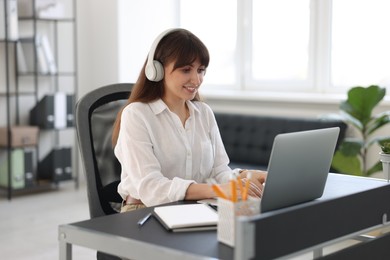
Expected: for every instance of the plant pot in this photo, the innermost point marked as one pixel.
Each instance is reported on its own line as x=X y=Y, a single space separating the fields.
x=385 y=159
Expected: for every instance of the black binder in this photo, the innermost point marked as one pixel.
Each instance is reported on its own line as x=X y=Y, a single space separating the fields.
x=67 y=162
x=69 y=110
x=29 y=169
x=42 y=114
x=57 y=165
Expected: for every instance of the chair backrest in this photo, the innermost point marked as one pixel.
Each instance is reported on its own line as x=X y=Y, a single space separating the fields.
x=95 y=116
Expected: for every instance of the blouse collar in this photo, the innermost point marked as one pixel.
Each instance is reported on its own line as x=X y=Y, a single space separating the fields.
x=158 y=106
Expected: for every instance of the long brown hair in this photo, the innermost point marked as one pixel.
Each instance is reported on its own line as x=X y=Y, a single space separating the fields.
x=180 y=46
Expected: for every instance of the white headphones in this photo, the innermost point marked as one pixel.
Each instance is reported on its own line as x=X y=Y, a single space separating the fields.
x=154 y=70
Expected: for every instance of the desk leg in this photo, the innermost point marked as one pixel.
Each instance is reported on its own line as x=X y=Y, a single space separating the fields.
x=65 y=248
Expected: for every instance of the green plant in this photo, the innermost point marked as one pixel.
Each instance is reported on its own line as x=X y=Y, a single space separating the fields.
x=356 y=111
x=385 y=146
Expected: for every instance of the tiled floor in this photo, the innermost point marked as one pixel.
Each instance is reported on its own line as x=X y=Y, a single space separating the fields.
x=29 y=223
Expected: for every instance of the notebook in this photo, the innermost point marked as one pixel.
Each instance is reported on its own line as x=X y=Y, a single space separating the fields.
x=187 y=217
x=298 y=167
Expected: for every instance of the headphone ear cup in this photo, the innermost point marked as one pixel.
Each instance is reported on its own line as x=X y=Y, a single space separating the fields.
x=159 y=69
x=154 y=71
x=150 y=71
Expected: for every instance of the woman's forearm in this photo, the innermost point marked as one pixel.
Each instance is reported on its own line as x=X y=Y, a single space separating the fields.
x=198 y=191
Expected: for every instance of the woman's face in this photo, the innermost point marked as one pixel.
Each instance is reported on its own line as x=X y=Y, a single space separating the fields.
x=183 y=83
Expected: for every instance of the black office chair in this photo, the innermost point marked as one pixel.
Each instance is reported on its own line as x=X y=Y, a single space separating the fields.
x=95 y=115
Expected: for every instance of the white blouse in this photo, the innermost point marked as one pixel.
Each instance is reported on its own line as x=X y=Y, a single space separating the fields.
x=160 y=158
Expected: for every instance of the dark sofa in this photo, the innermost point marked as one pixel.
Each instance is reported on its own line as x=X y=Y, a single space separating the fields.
x=248 y=139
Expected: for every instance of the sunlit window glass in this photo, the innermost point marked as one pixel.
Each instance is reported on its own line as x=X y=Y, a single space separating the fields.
x=280 y=40
x=360 y=42
x=215 y=23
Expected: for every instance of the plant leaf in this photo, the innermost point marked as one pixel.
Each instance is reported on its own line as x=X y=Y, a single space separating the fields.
x=379 y=121
x=376 y=168
x=347 y=118
x=385 y=145
x=347 y=164
x=351 y=147
x=361 y=101
x=383 y=140
x=380 y=140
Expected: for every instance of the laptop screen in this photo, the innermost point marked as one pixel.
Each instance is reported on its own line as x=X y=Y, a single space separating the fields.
x=298 y=167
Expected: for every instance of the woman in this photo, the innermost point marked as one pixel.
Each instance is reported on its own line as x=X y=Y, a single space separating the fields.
x=165 y=138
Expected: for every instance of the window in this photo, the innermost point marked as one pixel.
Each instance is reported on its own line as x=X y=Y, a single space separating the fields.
x=309 y=45
x=271 y=45
x=215 y=23
x=360 y=42
x=280 y=43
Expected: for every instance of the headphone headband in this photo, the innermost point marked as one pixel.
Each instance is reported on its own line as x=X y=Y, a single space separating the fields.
x=154 y=70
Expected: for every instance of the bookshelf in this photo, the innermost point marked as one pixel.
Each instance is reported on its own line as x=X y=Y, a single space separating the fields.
x=40 y=85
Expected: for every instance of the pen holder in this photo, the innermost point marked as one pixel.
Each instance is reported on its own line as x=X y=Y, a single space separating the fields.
x=227 y=214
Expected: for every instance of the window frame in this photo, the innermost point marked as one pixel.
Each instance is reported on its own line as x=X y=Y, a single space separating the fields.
x=318 y=74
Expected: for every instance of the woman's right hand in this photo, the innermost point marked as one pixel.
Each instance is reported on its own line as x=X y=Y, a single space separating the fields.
x=253 y=191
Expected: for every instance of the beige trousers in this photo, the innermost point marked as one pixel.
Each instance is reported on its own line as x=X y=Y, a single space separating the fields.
x=131 y=207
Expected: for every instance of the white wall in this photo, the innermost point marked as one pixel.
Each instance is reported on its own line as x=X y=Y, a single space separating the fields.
x=98 y=52
x=106 y=36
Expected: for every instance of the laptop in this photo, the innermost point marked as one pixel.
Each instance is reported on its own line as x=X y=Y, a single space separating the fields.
x=298 y=167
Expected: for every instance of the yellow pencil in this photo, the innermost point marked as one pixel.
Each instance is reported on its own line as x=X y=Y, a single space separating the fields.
x=233 y=188
x=240 y=185
x=218 y=191
x=247 y=184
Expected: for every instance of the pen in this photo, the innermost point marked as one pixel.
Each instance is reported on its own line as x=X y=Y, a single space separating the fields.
x=214 y=207
x=144 y=219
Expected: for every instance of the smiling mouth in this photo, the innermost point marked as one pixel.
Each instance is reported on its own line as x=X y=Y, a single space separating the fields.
x=191 y=89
